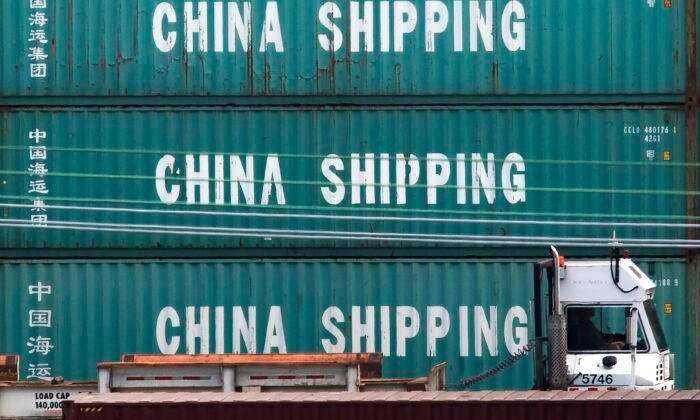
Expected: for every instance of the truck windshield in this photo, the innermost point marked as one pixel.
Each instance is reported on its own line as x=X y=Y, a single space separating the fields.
x=597 y=328
x=656 y=330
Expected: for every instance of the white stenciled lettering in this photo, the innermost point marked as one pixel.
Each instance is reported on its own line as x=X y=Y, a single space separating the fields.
x=515 y=336
x=337 y=344
x=407 y=326
x=335 y=195
x=239 y=25
x=486 y=328
x=360 y=177
x=226 y=27
x=272 y=30
x=327 y=13
x=405 y=20
x=385 y=183
x=273 y=177
x=197 y=179
x=464 y=331
x=219 y=184
x=200 y=176
x=475 y=329
x=227 y=24
x=438 y=327
x=362 y=330
x=446 y=178
x=458 y=30
x=164 y=13
x=361 y=25
x=513 y=176
x=480 y=26
x=197 y=331
x=483 y=177
x=167 y=315
x=384 y=26
x=196 y=25
x=241 y=326
x=436 y=19
x=438 y=173
x=218 y=27
x=245 y=329
x=385 y=329
x=274 y=337
x=402 y=22
x=219 y=330
x=513 y=31
x=402 y=164
x=245 y=177
x=165 y=167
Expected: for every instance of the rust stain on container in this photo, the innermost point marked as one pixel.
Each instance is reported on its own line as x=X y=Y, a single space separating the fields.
x=691 y=148
x=249 y=66
x=534 y=53
x=397 y=77
x=494 y=76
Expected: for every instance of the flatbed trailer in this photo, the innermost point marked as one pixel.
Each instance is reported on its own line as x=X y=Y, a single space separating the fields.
x=350 y=372
x=486 y=405
x=222 y=373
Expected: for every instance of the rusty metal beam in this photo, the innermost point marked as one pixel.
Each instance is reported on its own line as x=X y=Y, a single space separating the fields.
x=691 y=183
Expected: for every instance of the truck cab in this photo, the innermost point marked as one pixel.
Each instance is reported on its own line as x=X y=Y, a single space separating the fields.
x=614 y=337
x=604 y=326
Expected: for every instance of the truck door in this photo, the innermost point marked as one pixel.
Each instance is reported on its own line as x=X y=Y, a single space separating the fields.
x=599 y=355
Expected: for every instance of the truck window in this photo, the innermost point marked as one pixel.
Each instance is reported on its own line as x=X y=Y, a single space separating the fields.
x=596 y=328
x=642 y=344
x=655 y=325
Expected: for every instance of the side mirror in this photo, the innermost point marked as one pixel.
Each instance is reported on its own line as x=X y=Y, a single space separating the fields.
x=631 y=328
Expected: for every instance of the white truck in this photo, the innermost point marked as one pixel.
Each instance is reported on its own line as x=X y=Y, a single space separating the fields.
x=603 y=334
x=603 y=331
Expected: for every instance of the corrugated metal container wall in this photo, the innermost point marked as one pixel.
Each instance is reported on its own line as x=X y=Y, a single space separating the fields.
x=99 y=310
x=318 y=177
x=241 y=48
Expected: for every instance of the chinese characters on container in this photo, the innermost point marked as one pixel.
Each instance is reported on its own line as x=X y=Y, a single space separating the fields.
x=38 y=168
x=39 y=344
x=37 y=38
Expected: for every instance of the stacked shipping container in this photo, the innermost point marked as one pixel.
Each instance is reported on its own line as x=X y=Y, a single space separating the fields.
x=335 y=176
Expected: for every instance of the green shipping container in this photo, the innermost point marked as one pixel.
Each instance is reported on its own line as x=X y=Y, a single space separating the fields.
x=214 y=49
x=63 y=317
x=252 y=178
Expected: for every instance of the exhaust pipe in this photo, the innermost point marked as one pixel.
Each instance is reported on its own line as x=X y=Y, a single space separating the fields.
x=557 y=332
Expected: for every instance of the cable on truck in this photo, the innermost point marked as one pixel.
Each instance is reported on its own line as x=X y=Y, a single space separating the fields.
x=500 y=367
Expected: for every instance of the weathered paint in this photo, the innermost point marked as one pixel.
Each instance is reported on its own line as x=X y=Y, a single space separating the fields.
x=472 y=313
x=691 y=109
x=444 y=47
x=317 y=177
